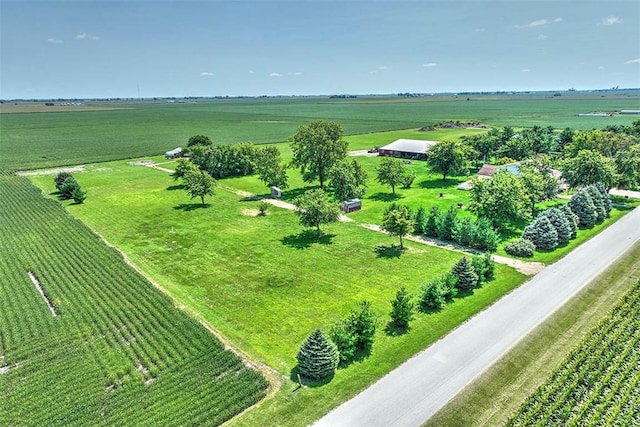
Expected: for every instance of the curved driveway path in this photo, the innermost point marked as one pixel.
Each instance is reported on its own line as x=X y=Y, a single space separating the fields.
x=413 y=392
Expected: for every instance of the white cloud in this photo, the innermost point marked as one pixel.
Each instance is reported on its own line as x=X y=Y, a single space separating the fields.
x=383 y=68
x=611 y=20
x=297 y=73
x=429 y=64
x=543 y=37
x=206 y=73
x=525 y=70
x=54 y=41
x=275 y=75
x=633 y=61
x=85 y=36
x=538 y=23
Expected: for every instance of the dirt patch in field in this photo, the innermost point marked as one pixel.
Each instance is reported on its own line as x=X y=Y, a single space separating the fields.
x=41 y=172
x=251 y=212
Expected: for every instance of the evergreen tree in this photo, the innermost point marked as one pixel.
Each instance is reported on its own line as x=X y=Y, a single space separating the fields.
x=582 y=206
x=485 y=237
x=464 y=231
x=60 y=179
x=559 y=221
x=605 y=198
x=446 y=224
x=401 y=309
x=68 y=187
x=466 y=277
x=433 y=219
x=431 y=296
x=318 y=357
x=542 y=233
x=364 y=322
x=448 y=286
x=489 y=267
x=420 y=221
x=572 y=219
x=598 y=202
x=345 y=339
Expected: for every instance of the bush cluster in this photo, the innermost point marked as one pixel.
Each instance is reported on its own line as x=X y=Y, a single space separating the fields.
x=478 y=234
x=465 y=275
x=222 y=161
x=355 y=332
x=69 y=188
x=521 y=247
x=591 y=205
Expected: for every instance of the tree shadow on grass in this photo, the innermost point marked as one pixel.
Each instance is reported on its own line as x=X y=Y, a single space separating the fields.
x=449 y=184
x=429 y=310
x=308 y=382
x=175 y=187
x=394 y=330
x=187 y=207
x=360 y=356
x=306 y=239
x=385 y=197
x=384 y=251
x=292 y=194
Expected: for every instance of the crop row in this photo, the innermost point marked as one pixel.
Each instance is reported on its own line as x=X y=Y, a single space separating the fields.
x=599 y=382
x=117 y=344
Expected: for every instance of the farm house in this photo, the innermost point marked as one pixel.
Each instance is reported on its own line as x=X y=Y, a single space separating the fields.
x=407 y=149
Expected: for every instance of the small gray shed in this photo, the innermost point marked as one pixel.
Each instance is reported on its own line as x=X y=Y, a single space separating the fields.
x=351 y=205
x=276 y=193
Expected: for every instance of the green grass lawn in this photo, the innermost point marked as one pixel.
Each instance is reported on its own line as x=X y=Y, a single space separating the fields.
x=264 y=282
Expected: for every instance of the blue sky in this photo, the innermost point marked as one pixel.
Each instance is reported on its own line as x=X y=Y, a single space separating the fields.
x=82 y=49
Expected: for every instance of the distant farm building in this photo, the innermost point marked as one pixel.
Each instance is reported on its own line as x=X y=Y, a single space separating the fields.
x=176 y=152
x=629 y=111
x=407 y=149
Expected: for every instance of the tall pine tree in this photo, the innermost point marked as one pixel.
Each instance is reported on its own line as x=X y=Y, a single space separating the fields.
x=318 y=357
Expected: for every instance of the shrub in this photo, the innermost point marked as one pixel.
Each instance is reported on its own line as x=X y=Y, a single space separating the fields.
x=355 y=332
x=343 y=336
x=521 y=247
x=431 y=296
x=485 y=237
x=542 y=233
x=464 y=231
x=318 y=356
x=401 y=309
x=466 y=276
x=448 y=286
x=484 y=267
x=263 y=207
x=407 y=179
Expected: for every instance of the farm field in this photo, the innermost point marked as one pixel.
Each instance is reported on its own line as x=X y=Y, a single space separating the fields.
x=135 y=129
x=597 y=384
x=264 y=282
x=97 y=344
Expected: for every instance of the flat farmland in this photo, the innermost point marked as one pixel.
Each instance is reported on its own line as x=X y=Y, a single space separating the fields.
x=86 y=340
x=123 y=130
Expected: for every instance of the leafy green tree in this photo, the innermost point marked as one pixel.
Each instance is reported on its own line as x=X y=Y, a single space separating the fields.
x=607 y=143
x=589 y=167
x=199 y=183
x=582 y=206
x=483 y=146
x=390 y=172
x=447 y=223
x=345 y=339
x=317 y=147
x=466 y=277
x=348 y=179
x=560 y=222
x=448 y=158
x=318 y=356
x=314 y=209
x=433 y=219
x=534 y=187
x=628 y=167
x=408 y=178
x=566 y=137
x=182 y=167
x=402 y=308
x=199 y=140
x=420 y=221
x=501 y=199
x=431 y=296
x=542 y=233
x=269 y=169
x=516 y=148
x=398 y=222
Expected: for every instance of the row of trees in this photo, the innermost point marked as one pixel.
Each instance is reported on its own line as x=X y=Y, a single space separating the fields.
x=556 y=226
x=69 y=188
